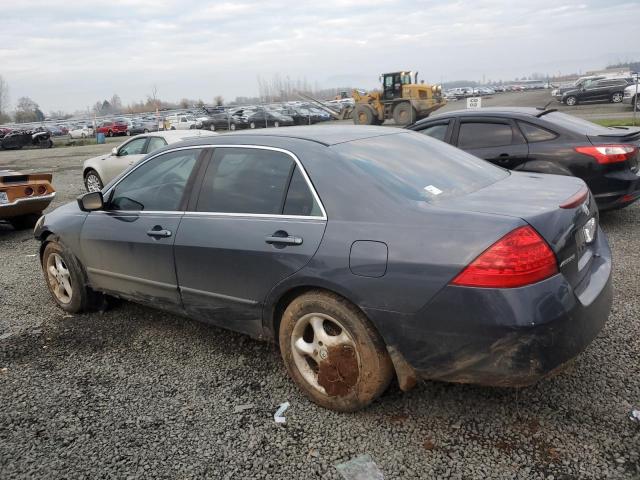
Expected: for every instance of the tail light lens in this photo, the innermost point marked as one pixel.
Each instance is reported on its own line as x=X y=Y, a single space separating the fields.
x=519 y=258
x=605 y=154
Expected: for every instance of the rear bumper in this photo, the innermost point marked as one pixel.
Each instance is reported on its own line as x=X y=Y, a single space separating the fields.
x=26 y=206
x=503 y=337
x=625 y=191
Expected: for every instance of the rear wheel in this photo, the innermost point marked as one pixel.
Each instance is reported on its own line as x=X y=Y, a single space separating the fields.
x=66 y=279
x=92 y=181
x=109 y=133
x=617 y=97
x=232 y=126
x=276 y=124
x=333 y=353
x=364 y=115
x=25 y=221
x=404 y=114
x=212 y=127
x=571 y=101
x=252 y=125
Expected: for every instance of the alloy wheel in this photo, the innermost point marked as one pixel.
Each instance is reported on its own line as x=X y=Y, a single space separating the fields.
x=616 y=98
x=93 y=183
x=59 y=278
x=325 y=353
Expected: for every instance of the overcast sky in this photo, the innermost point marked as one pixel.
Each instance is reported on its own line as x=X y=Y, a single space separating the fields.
x=69 y=54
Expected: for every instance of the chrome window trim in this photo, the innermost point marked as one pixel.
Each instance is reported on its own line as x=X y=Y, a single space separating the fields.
x=18 y=201
x=229 y=214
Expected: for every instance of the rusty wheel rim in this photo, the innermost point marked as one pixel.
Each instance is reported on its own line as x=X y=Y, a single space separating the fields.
x=59 y=278
x=325 y=354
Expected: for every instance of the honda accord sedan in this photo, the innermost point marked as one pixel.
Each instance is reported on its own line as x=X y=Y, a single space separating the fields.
x=364 y=252
x=547 y=141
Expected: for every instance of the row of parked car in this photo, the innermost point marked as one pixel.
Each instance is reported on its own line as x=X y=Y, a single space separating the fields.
x=465 y=92
x=599 y=88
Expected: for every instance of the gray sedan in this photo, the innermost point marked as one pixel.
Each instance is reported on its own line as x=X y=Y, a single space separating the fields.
x=366 y=253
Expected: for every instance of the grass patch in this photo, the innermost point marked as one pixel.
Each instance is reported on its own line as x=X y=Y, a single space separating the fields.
x=617 y=122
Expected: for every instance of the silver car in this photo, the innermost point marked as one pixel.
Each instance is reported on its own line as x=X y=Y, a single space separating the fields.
x=98 y=171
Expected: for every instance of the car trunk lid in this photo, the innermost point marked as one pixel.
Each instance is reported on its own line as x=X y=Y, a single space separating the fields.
x=537 y=199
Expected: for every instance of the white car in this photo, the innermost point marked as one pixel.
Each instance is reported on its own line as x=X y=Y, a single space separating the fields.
x=81 y=131
x=182 y=122
x=631 y=94
x=98 y=171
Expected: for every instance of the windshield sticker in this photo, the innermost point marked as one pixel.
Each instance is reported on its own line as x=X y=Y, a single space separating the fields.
x=433 y=190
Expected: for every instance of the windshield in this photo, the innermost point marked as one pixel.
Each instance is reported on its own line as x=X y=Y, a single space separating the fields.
x=418 y=167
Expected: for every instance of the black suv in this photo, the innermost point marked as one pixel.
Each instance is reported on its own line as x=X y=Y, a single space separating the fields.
x=547 y=141
x=597 y=90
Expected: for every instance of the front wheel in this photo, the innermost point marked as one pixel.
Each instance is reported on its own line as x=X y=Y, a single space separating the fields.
x=276 y=124
x=110 y=133
x=617 y=97
x=252 y=125
x=333 y=353
x=232 y=126
x=212 y=127
x=66 y=280
x=92 y=181
x=571 y=101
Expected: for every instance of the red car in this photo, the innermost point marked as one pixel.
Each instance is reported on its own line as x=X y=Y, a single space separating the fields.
x=110 y=128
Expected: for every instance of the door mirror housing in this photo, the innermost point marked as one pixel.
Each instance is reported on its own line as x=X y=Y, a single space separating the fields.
x=114 y=151
x=91 y=201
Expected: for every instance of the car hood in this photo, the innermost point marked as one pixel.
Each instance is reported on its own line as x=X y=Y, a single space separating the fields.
x=97 y=159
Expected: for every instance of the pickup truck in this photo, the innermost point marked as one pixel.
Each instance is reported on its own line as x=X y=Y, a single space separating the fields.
x=182 y=122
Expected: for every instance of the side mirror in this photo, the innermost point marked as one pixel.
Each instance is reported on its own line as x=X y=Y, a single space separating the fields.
x=114 y=151
x=91 y=201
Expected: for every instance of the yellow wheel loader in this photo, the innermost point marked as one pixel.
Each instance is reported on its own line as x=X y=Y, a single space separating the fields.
x=402 y=99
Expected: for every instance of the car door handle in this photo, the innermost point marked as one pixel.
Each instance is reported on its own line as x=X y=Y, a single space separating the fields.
x=282 y=238
x=159 y=233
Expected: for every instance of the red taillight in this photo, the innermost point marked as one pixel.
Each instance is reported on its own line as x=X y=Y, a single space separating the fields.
x=519 y=258
x=574 y=200
x=609 y=153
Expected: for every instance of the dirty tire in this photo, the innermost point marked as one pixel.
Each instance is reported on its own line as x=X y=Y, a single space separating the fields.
x=374 y=370
x=82 y=298
x=404 y=114
x=363 y=115
x=24 y=221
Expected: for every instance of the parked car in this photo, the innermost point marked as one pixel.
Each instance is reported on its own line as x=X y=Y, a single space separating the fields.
x=145 y=126
x=99 y=171
x=266 y=118
x=227 y=121
x=81 y=131
x=361 y=251
x=16 y=139
x=547 y=141
x=602 y=90
x=54 y=130
x=182 y=122
x=24 y=196
x=4 y=131
x=111 y=128
x=632 y=95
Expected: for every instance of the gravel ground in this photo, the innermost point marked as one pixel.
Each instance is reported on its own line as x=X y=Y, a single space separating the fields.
x=134 y=392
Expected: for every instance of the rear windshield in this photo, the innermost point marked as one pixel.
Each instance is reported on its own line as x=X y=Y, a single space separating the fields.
x=418 y=167
x=577 y=125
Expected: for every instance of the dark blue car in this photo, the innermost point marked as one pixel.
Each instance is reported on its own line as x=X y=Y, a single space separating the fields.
x=365 y=252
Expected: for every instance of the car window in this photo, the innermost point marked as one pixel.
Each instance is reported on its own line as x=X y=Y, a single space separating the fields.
x=300 y=200
x=533 y=133
x=481 y=135
x=417 y=167
x=155 y=143
x=134 y=147
x=245 y=180
x=156 y=185
x=438 y=131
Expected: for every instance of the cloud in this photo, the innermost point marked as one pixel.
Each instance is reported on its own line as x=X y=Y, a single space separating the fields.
x=70 y=55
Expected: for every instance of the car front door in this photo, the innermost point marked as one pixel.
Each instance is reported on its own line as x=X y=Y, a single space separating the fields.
x=594 y=90
x=256 y=221
x=127 y=154
x=128 y=247
x=494 y=139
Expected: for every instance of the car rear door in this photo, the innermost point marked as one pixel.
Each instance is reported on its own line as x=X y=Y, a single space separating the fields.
x=256 y=221
x=127 y=248
x=438 y=129
x=497 y=140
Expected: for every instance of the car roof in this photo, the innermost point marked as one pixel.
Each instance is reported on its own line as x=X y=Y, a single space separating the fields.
x=481 y=112
x=324 y=134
